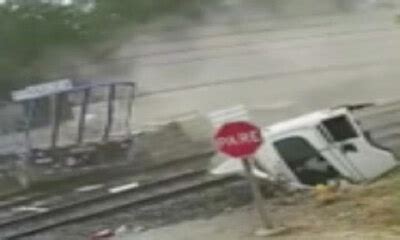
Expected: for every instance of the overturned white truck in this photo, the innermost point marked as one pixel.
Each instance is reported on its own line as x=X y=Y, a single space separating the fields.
x=314 y=148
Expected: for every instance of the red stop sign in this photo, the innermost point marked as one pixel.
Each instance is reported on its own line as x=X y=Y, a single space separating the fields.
x=238 y=139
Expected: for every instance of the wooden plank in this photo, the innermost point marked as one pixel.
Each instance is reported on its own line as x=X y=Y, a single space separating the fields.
x=42 y=90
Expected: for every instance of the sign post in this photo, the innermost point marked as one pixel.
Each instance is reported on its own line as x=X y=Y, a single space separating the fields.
x=257 y=195
x=241 y=140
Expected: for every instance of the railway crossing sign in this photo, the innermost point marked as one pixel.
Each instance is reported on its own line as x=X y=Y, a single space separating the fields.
x=241 y=140
x=238 y=139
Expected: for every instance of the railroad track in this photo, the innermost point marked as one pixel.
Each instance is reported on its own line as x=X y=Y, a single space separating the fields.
x=14 y=206
x=20 y=200
x=7 y=207
x=148 y=193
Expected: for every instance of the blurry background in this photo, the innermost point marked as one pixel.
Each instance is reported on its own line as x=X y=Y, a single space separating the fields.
x=278 y=57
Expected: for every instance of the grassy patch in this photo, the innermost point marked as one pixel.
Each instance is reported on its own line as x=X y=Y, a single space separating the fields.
x=378 y=204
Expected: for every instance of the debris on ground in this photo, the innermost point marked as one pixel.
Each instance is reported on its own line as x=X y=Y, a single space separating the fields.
x=326 y=194
x=106 y=234
x=30 y=209
x=139 y=229
x=89 y=188
x=264 y=232
x=123 y=188
x=346 y=211
x=109 y=234
x=121 y=230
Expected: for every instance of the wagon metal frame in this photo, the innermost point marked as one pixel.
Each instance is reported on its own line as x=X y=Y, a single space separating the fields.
x=25 y=168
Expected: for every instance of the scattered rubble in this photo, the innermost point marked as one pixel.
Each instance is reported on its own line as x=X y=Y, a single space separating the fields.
x=105 y=234
x=90 y=188
x=30 y=209
x=139 y=229
x=123 y=188
x=121 y=230
x=263 y=232
x=325 y=194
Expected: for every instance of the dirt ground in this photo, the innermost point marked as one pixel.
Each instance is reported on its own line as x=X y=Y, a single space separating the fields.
x=357 y=212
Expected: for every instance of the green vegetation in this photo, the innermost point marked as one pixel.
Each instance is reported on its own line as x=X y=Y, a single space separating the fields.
x=377 y=204
x=33 y=33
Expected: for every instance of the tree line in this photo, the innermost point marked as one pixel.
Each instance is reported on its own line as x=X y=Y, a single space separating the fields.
x=33 y=32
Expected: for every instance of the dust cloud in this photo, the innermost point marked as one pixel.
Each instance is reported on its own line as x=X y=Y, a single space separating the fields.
x=278 y=57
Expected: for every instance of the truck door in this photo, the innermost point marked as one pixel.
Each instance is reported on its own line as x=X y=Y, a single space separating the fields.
x=347 y=139
x=306 y=154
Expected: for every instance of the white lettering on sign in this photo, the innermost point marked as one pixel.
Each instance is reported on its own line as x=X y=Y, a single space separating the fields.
x=239 y=139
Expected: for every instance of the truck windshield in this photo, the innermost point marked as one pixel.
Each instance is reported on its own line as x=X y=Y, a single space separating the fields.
x=340 y=128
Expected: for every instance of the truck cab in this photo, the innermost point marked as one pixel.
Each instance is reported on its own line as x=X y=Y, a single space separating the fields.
x=318 y=147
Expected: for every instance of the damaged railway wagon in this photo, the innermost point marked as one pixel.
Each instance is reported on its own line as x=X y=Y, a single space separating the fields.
x=316 y=148
x=87 y=129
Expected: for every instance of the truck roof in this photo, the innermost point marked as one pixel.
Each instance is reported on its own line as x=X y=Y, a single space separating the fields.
x=307 y=120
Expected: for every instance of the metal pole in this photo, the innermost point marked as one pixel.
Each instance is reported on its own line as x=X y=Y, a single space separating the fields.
x=29 y=105
x=110 y=113
x=56 y=106
x=130 y=111
x=255 y=188
x=82 y=116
